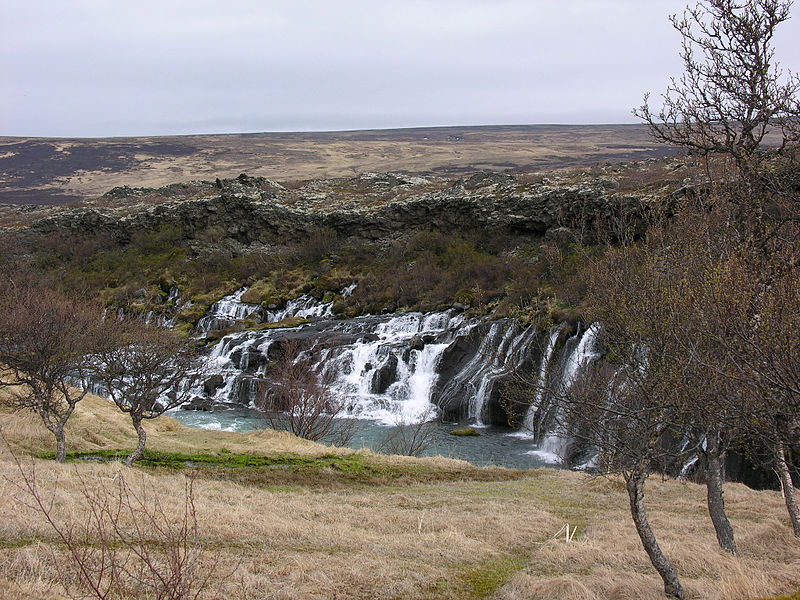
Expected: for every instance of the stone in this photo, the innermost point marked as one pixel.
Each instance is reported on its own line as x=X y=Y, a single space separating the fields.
x=416 y=343
x=211 y=384
x=384 y=376
x=199 y=403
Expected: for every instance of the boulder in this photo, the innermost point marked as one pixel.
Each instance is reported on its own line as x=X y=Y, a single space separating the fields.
x=211 y=384
x=199 y=403
x=384 y=376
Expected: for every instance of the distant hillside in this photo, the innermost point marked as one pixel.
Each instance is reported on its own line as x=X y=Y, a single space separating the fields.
x=60 y=170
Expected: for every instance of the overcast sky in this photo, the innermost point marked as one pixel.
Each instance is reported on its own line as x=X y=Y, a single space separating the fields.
x=142 y=67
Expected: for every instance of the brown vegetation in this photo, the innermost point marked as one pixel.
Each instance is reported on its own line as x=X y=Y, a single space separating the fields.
x=427 y=539
x=39 y=171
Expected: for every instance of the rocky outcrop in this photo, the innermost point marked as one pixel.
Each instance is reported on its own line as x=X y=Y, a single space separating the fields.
x=255 y=210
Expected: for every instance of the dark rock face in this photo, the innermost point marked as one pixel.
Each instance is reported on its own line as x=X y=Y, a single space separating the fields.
x=255 y=210
x=449 y=392
x=199 y=403
x=211 y=384
x=385 y=375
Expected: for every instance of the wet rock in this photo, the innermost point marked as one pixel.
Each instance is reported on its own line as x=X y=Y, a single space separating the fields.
x=213 y=383
x=199 y=403
x=384 y=376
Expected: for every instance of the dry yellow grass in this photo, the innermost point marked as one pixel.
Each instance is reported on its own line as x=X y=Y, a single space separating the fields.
x=447 y=539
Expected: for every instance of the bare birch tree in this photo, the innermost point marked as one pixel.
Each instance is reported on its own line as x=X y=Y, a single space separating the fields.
x=732 y=91
x=45 y=339
x=145 y=371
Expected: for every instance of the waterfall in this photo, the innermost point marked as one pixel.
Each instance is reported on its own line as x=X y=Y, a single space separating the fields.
x=389 y=374
x=225 y=312
x=305 y=306
x=528 y=425
x=502 y=346
x=391 y=368
x=553 y=447
x=384 y=368
x=496 y=361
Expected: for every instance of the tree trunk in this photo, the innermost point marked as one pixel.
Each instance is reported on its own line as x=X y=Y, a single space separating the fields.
x=715 y=481
x=137 y=423
x=782 y=469
x=634 y=482
x=61 y=444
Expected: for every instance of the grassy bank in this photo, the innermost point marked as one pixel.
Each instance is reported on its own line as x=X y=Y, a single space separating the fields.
x=284 y=518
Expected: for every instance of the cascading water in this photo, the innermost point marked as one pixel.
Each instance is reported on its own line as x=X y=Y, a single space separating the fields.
x=529 y=423
x=225 y=312
x=500 y=352
x=388 y=375
x=305 y=307
x=398 y=369
x=553 y=447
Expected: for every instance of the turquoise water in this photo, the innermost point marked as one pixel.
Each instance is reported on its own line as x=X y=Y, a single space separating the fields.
x=494 y=445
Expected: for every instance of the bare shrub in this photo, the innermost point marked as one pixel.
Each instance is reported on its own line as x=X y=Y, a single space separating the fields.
x=129 y=544
x=319 y=244
x=409 y=439
x=296 y=398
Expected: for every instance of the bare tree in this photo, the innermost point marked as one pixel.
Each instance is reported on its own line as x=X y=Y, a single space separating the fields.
x=732 y=91
x=731 y=95
x=295 y=397
x=688 y=253
x=621 y=412
x=145 y=371
x=45 y=338
x=765 y=351
x=626 y=406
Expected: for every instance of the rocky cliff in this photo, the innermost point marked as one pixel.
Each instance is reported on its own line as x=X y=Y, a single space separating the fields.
x=370 y=207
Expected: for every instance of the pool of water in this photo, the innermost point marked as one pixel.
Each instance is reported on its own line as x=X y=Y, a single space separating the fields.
x=494 y=446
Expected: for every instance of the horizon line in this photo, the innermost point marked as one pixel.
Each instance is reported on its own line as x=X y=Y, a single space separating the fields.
x=317 y=131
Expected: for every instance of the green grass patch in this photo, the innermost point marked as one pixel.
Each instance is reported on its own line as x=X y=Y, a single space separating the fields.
x=484 y=580
x=481 y=580
x=225 y=458
x=280 y=470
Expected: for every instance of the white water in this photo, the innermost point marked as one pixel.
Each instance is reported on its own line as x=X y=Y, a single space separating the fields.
x=388 y=370
x=305 y=307
x=554 y=446
x=226 y=311
x=354 y=370
x=494 y=360
x=541 y=381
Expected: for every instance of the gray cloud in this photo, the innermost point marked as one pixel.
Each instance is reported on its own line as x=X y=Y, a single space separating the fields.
x=96 y=68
